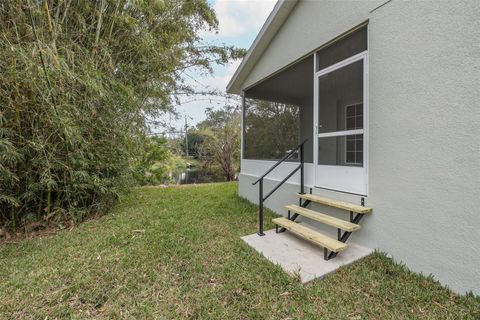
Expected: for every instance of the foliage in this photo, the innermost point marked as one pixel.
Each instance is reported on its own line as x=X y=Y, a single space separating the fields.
x=195 y=142
x=176 y=253
x=216 y=119
x=78 y=79
x=222 y=139
x=271 y=129
x=156 y=162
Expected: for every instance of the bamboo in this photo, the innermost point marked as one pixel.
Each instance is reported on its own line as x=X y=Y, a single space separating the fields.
x=76 y=85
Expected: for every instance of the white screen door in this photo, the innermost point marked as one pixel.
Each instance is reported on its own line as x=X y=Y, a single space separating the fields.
x=340 y=120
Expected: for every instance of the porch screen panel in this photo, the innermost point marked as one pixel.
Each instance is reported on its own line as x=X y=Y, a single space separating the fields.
x=271 y=129
x=341 y=116
x=338 y=91
x=342 y=49
x=341 y=150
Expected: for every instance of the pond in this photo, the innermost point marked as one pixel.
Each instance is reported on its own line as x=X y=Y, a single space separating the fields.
x=194 y=175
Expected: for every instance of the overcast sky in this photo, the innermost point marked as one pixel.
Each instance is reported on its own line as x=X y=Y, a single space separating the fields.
x=239 y=23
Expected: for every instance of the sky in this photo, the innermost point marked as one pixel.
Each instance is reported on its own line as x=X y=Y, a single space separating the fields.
x=239 y=23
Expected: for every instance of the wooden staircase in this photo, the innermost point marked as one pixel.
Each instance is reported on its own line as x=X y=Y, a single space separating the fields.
x=344 y=228
x=331 y=246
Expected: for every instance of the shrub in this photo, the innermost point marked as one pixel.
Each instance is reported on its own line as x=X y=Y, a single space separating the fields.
x=78 y=81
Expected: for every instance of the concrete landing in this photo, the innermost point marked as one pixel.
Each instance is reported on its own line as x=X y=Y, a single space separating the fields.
x=297 y=256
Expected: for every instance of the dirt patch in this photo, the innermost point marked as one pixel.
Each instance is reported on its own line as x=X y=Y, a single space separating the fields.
x=39 y=229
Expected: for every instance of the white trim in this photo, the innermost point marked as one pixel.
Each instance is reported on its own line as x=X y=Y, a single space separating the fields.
x=315 y=117
x=354 y=169
x=340 y=133
x=242 y=128
x=365 y=117
x=343 y=63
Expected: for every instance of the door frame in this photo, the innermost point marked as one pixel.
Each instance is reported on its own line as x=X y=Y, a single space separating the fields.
x=316 y=74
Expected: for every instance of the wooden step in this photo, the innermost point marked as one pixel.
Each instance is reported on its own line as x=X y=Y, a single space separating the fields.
x=336 y=203
x=323 y=218
x=310 y=235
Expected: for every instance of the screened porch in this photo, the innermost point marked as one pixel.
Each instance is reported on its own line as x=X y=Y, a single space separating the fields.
x=322 y=99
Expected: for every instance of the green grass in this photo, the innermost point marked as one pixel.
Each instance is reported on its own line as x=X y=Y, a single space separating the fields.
x=177 y=253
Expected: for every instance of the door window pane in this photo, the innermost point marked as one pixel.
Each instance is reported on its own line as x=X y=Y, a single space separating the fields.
x=354 y=116
x=354 y=149
x=341 y=150
x=341 y=99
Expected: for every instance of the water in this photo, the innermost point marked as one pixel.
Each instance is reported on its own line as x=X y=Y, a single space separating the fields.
x=190 y=176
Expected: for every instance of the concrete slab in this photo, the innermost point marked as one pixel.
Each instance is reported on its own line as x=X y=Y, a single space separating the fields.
x=297 y=256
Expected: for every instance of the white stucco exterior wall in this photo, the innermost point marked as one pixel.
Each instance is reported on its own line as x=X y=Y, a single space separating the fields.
x=424 y=127
x=311 y=24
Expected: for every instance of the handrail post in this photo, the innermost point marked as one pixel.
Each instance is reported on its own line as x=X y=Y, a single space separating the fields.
x=261 y=199
x=260 y=208
x=302 y=175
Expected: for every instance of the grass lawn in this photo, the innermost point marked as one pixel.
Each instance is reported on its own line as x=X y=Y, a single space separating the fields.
x=177 y=253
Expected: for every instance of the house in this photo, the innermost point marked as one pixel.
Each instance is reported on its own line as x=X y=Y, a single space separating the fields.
x=386 y=96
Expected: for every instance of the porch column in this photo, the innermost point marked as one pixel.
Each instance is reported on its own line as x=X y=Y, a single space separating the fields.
x=242 y=135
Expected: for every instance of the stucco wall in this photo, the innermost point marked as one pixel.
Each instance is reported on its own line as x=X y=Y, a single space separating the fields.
x=311 y=24
x=424 y=115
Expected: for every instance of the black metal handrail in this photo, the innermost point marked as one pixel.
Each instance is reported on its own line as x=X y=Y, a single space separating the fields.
x=261 y=198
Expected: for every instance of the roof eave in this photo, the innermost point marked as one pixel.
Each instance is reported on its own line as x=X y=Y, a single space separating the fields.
x=269 y=29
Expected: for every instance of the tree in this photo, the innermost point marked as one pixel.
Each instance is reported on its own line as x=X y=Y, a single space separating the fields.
x=222 y=142
x=271 y=129
x=78 y=81
x=157 y=162
x=195 y=140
